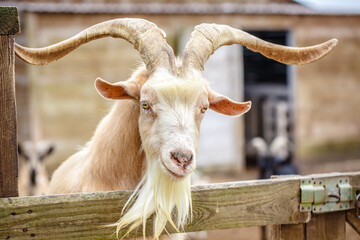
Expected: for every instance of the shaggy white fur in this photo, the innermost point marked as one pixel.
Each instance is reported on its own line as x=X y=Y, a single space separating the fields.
x=160 y=194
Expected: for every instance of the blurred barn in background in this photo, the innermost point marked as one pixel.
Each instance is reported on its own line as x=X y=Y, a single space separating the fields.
x=315 y=106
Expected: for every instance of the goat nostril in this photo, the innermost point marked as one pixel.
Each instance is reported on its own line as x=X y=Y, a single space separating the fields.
x=190 y=158
x=182 y=158
x=33 y=176
x=174 y=157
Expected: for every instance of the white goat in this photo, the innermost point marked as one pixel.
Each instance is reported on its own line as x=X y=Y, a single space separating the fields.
x=33 y=178
x=149 y=139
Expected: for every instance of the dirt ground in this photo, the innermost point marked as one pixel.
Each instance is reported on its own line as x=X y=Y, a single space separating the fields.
x=254 y=233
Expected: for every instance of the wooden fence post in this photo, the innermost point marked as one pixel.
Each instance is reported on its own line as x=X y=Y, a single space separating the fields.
x=287 y=232
x=327 y=226
x=353 y=220
x=9 y=25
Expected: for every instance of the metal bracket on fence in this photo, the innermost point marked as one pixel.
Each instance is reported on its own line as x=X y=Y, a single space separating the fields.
x=326 y=195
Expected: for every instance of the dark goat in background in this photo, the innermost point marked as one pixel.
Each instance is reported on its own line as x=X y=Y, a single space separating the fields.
x=33 y=177
x=274 y=158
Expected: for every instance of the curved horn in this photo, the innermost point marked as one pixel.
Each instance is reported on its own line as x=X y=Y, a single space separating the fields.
x=146 y=37
x=207 y=38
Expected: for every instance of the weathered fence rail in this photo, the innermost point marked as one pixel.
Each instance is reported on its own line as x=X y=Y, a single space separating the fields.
x=274 y=202
x=215 y=206
x=219 y=206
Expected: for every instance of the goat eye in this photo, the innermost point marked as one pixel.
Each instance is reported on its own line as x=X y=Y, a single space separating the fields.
x=145 y=105
x=203 y=109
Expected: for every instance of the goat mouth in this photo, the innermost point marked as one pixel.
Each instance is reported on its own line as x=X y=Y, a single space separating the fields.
x=176 y=176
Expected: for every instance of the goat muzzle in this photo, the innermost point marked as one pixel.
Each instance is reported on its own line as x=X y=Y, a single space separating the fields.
x=182 y=158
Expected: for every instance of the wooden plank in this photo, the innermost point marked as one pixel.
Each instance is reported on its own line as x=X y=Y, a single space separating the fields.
x=335 y=226
x=315 y=229
x=352 y=219
x=215 y=206
x=219 y=206
x=9 y=21
x=8 y=137
x=288 y=232
x=328 y=226
x=354 y=177
x=324 y=226
x=275 y=232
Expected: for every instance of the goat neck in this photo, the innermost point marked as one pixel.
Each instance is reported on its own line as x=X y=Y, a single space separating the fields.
x=116 y=158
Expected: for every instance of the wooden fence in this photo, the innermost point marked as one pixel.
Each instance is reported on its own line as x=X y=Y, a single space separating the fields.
x=216 y=206
x=290 y=205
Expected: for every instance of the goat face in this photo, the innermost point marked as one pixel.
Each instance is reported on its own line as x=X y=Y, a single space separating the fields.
x=171 y=110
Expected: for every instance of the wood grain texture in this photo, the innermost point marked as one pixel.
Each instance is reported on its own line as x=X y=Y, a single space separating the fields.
x=352 y=219
x=321 y=226
x=328 y=226
x=219 y=206
x=215 y=206
x=9 y=21
x=288 y=232
x=8 y=136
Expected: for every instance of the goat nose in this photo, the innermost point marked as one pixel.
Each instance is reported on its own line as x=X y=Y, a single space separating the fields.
x=33 y=177
x=182 y=158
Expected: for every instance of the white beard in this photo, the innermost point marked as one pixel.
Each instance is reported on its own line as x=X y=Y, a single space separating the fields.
x=157 y=193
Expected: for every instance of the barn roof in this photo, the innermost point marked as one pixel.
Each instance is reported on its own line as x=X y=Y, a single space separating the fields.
x=258 y=7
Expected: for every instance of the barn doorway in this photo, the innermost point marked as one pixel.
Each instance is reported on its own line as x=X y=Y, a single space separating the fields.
x=267 y=84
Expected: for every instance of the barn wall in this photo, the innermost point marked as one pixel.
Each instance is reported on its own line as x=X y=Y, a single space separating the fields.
x=327 y=99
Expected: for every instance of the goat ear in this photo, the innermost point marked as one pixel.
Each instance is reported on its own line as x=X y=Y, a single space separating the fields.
x=225 y=105
x=48 y=151
x=123 y=90
x=20 y=149
x=21 y=152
